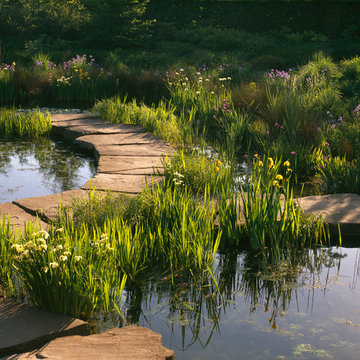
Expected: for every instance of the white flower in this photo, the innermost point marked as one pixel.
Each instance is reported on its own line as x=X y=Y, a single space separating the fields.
x=78 y=258
x=63 y=258
x=54 y=265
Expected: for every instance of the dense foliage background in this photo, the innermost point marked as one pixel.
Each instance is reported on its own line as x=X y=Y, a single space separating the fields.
x=64 y=26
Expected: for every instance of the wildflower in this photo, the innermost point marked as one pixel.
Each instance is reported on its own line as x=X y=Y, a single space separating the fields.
x=45 y=269
x=67 y=253
x=288 y=170
x=293 y=153
x=279 y=177
x=109 y=248
x=287 y=163
x=276 y=124
x=327 y=144
x=216 y=169
x=63 y=258
x=59 y=247
x=19 y=248
x=54 y=265
x=218 y=162
x=261 y=163
x=59 y=230
x=78 y=258
x=212 y=93
x=41 y=241
x=43 y=247
x=271 y=162
x=275 y=183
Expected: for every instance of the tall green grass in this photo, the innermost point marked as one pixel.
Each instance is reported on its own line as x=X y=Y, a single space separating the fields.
x=29 y=124
x=159 y=120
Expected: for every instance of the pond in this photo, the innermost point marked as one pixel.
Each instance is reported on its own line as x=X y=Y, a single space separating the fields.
x=306 y=310
x=42 y=167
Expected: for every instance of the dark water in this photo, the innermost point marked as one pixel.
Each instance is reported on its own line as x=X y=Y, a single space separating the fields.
x=42 y=167
x=307 y=310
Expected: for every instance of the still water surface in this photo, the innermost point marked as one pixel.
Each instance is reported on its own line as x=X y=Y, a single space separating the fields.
x=41 y=167
x=308 y=310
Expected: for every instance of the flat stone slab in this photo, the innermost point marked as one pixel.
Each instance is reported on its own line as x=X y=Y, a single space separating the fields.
x=133 y=165
x=90 y=142
x=73 y=132
x=47 y=206
x=23 y=327
x=134 y=150
x=121 y=183
x=337 y=209
x=18 y=217
x=127 y=343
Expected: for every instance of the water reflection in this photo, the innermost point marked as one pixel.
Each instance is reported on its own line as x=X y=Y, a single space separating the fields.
x=40 y=167
x=304 y=308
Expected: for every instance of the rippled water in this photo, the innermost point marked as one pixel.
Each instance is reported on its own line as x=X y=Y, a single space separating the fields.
x=308 y=310
x=43 y=167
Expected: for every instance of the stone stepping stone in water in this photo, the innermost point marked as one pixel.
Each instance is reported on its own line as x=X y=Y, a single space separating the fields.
x=47 y=206
x=24 y=328
x=127 y=343
x=130 y=165
x=336 y=209
x=90 y=142
x=18 y=217
x=129 y=184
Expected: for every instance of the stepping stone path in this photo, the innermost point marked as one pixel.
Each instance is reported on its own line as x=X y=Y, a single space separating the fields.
x=127 y=156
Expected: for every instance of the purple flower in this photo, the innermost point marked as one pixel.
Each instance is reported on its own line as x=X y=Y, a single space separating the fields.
x=281 y=127
x=357 y=110
x=327 y=157
x=276 y=124
x=293 y=153
x=327 y=144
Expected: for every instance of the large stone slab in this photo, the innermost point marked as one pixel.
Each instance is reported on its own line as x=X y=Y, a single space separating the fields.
x=72 y=132
x=337 y=209
x=127 y=343
x=134 y=150
x=23 y=328
x=90 y=142
x=133 y=165
x=121 y=183
x=19 y=217
x=47 y=206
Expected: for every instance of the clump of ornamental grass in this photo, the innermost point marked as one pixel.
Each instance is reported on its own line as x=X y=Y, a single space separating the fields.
x=272 y=219
x=198 y=173
x=160 y=120
x=68 y=277
x=27 y=124
x=339 y=175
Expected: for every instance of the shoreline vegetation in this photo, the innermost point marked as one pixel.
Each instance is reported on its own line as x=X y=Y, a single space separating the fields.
x=254 y=115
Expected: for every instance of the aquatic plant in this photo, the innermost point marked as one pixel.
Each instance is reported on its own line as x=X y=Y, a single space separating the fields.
x=24 y=124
